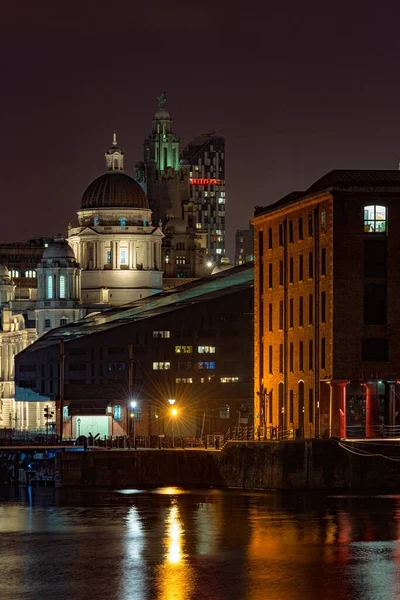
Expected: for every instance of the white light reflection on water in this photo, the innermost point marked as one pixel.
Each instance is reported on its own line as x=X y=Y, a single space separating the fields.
x=133 y=573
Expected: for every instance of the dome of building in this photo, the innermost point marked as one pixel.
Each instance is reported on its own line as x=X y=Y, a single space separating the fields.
x=114 y=189
x=59 y=248
x=162 y=115
x=177 y=225
x=4 y=272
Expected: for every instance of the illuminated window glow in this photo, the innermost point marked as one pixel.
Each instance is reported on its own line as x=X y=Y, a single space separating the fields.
x=161 y=334
x=206 y=349
x=183 y=349
x=161 y=366
x=124 y=256
x=184 y=380
x=49 y=286
x=375 y=219
x=206 y=365
x=62 y=286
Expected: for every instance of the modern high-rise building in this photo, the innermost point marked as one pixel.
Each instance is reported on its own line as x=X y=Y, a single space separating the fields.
x=244 y=246
x=205 y=156
x=327 y=308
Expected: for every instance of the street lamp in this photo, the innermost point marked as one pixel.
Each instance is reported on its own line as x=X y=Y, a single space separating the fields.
x=133 y=406
x=174 y=412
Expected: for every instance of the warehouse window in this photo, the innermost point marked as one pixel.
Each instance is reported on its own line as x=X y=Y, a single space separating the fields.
x=375 y=219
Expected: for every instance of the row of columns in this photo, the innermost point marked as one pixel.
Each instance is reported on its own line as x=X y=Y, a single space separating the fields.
x=337 y=417
x=7 y=354
x=71 y=285
x=144 y=253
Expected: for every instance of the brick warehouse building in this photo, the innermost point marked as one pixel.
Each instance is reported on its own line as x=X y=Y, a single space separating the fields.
x=327 y=308
x=193 y=344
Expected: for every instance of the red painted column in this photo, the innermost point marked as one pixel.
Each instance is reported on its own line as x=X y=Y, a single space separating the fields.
x=337 y=417
x=372 y=425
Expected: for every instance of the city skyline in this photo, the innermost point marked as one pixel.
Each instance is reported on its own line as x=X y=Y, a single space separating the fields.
x=289 y=112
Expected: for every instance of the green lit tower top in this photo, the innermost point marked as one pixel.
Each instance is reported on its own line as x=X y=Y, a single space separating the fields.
x=162 y=146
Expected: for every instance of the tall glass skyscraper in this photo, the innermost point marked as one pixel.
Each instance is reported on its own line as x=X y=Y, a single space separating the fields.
x=205 y=156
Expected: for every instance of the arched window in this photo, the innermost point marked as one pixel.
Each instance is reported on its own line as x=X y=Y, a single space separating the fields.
x=375 y=219
x=281 y=389
x=47 y=323
x=63 y=321
x=62 y=286
x=122 y=221
x=49 y=289
x=96 y=221
x=301 y=408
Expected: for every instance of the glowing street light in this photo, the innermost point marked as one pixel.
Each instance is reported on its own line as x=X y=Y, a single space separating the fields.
x=133 y=405
x=209 y=264
x=171 y=401
x=174 y=412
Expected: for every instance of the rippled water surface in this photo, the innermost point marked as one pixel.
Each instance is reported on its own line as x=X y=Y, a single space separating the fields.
x=173 y=544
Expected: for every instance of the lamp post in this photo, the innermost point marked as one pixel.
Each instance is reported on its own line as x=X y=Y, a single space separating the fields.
x=79 y=428
x=133 y=406
x=174 y=412
x=171 y=402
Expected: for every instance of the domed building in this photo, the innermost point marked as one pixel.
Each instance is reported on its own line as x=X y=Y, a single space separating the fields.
x=59 y=287
x=115 y=242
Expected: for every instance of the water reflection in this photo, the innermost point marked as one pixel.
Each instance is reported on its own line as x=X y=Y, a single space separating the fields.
x=175 y=575
x=173 y=544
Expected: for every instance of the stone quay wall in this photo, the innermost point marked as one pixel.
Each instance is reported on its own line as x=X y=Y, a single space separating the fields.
x=298 y=465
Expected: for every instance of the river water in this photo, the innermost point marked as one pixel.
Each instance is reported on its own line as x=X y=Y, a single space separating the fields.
x=174 y=544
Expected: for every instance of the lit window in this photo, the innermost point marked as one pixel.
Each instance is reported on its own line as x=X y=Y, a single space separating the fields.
x=167 y=258
x=96 y=221
x=161 y=334
x=161 y=366
x=108 y=256
x=62 y=286
x=118 y=412
x=206 y=365
x=224 y=410
x=375 y=219
x=49 y=286
x=63 y=321
x=219 y=250
x=47 y=323
x=206 y=349
x=184 y=380
x=123 y=256
x=122 y=221
x=183 y=349
x=198 y=225
x=229 y=379
x=221 y=200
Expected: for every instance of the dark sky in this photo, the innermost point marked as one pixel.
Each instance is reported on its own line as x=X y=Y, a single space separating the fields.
x=297 y=88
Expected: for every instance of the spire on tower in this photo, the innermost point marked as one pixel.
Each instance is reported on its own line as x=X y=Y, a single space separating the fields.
x=114 y=138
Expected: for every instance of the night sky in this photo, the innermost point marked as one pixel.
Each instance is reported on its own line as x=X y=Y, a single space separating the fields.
x=296 y=88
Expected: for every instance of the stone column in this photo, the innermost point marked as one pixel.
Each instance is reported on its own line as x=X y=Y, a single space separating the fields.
x=372 y=425
x=134 y=265
x=337 y=416
x=118 y=244
x=11 y=361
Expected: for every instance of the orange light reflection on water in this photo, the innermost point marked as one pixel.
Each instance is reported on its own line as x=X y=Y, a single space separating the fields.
x=175 y=576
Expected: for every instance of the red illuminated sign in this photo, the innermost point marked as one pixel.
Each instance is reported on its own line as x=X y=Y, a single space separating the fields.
x=206 y=181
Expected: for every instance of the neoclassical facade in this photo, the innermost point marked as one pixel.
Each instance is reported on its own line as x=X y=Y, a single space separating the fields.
x=59 y=287
x=115 y=243
x=14 y=337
